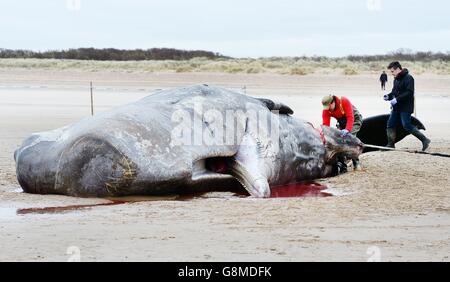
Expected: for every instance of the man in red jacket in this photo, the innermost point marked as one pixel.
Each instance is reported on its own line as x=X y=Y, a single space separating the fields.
x=348 y=117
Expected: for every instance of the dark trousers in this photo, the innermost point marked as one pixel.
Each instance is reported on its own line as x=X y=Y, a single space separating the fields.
x=383 y=85
x=405 y=119
x=342 y=123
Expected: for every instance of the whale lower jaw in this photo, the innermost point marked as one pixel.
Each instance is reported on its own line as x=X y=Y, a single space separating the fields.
x=255 y=183
x=245 y=166
x=211 y=171
x=204 y=170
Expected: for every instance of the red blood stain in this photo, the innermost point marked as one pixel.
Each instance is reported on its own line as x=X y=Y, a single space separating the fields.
x=296 y=190
x=65 y=208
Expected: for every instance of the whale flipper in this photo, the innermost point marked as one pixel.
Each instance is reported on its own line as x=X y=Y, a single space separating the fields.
x=280 y=107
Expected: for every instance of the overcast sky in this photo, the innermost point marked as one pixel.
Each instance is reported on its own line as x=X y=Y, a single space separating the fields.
x=239 y=28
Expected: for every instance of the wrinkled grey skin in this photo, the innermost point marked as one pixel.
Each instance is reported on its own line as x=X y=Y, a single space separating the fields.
x=129 y=150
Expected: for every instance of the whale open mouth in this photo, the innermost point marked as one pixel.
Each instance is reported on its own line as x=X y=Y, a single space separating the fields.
x=232 y=167
x=211 y=168
x=218 y=164
x=244 y=165
x=215 y=172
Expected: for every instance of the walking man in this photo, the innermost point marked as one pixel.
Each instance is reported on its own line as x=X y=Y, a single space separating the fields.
x=402 y=102
x=383 y=80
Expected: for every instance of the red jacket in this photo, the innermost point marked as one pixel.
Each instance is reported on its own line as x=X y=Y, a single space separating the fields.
x=343 y=109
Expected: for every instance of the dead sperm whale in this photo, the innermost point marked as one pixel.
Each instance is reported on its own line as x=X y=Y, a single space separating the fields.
x=373 y=131
x=197 y=138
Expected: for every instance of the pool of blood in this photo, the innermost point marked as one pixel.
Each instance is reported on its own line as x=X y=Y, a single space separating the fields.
x=297 y=190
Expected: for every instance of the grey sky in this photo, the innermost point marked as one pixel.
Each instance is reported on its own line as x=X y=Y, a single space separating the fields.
x=245 y=28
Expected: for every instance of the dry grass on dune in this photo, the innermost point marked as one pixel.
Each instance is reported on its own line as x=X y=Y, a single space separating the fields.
x=277 y=65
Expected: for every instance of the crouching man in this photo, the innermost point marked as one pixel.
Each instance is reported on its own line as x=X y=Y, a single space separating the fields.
x=349 y=120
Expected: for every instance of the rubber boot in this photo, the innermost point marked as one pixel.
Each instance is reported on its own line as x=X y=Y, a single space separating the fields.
x=419 y=135
x=391 y=135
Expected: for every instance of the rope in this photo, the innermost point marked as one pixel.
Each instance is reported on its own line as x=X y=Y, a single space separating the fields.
x=406 y=151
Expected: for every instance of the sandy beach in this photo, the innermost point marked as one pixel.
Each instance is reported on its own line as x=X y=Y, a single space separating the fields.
x=396 y=209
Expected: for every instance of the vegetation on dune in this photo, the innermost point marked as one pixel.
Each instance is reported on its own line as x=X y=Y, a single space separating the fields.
x=203 y=61
x=110 y=54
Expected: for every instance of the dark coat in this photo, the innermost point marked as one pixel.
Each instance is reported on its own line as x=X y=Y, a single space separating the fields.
x=403 y=91
x=383 y=77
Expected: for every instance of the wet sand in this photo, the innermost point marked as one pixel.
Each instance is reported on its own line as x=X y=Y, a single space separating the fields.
x=396 y=209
